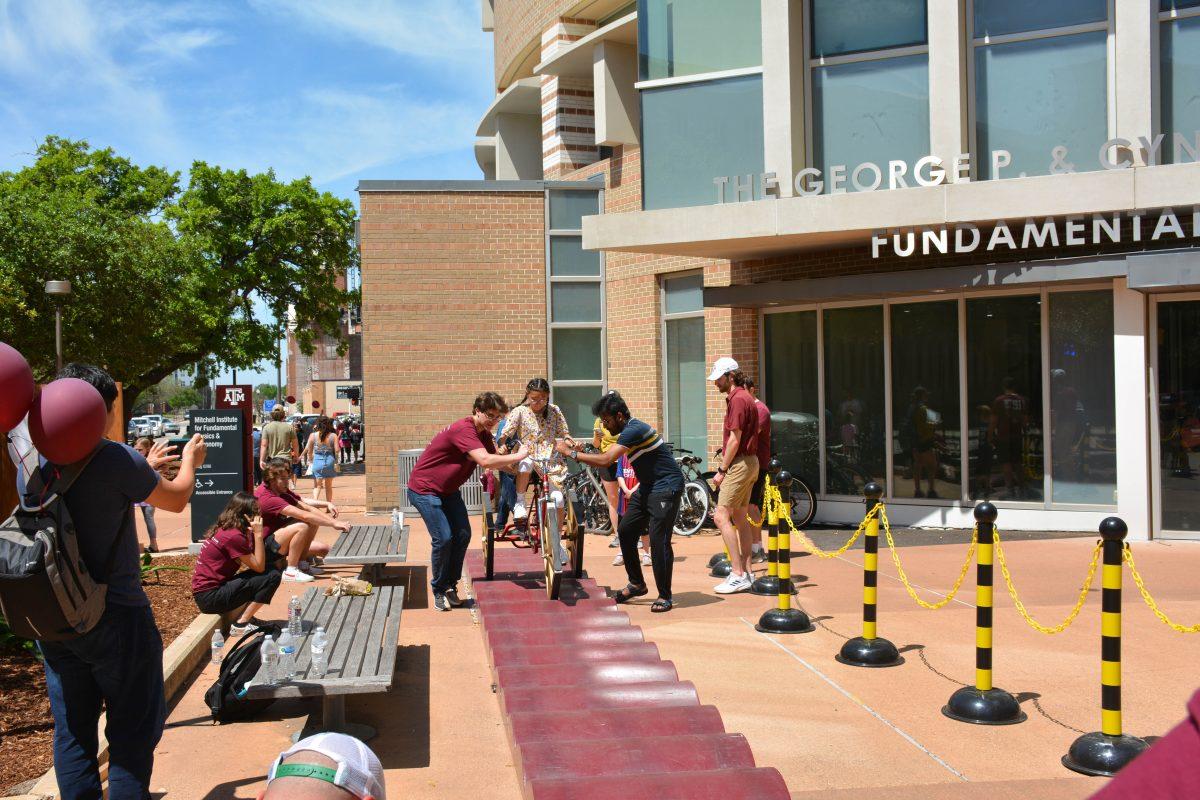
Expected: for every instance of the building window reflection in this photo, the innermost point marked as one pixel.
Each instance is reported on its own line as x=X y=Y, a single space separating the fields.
x=1179 y=48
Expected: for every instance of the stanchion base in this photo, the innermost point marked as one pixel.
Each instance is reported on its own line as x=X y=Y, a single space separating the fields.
x=784 y=620
x=1102 y=755
x=716 y=559
x=721 y=569
x=984 y=707
x=860 y=652
x=766 y=585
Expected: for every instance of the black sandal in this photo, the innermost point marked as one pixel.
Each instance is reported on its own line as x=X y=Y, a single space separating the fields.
x=662 y=605
x=628 y=593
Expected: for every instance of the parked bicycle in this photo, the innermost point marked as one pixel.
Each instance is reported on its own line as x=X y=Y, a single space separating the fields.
x=700 y=498
x=589 y=493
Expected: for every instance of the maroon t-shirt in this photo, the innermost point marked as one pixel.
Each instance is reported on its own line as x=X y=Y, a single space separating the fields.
x=740 y=415
x=444 y=466
x=1168 y=770
x=218 y=559
x=764 y=435
x=271 y=506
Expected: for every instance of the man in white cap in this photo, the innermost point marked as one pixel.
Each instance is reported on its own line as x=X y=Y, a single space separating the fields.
x=736 y=473
x=326 y=766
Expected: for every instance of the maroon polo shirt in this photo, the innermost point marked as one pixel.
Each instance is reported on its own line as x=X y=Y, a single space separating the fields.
x=444 y=466
x=740 y=415
x=1168 y=770
x=764 y=435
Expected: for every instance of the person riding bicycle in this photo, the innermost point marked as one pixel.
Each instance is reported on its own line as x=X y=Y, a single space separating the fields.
x=536 y=423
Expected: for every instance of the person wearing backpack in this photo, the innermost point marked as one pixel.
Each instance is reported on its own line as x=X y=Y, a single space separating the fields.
x=117 y=664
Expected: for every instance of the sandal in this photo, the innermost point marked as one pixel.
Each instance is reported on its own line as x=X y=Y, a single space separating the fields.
x=628 y=593
x=662 y=605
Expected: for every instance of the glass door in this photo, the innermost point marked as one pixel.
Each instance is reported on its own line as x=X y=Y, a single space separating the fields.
x=1177 y=416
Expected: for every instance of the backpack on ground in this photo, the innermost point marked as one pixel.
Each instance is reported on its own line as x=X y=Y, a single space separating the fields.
x=46 y=591
x=226 y=697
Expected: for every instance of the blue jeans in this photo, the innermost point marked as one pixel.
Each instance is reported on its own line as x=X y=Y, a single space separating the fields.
x=445 y=516
x=117 y=663
x=507 y=499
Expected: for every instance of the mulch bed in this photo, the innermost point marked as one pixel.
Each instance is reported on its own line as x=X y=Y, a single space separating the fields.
x=26 y=728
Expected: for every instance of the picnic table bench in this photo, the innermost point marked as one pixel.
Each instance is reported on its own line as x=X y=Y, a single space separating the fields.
x=362 y=634
x=373 y=546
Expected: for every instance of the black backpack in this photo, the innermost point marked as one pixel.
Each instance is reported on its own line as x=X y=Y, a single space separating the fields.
x=46 y=590
x=225 y=698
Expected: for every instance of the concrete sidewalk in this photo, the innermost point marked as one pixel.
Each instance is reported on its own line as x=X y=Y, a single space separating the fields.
x=830 y=729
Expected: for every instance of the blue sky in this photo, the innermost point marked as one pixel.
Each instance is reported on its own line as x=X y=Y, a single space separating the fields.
x=338 y=91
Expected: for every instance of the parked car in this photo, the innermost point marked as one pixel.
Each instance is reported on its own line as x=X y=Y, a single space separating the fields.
x=139 y=427
x=171 y=427
x=158 y=425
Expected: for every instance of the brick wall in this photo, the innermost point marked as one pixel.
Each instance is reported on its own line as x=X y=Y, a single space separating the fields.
x=454 y=303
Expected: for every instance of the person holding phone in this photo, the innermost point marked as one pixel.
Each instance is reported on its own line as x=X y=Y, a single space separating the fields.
x=237 y=564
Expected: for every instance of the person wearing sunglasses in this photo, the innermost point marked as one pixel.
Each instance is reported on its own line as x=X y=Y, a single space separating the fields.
x=433 y=489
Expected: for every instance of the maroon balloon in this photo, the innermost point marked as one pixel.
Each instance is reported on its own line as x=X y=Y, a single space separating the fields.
x=16 y=387
x=291 y=399
x=67 y=420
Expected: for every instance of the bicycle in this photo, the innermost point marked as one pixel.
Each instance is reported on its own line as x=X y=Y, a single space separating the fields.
x=700 y=498
x=541 y=532
x=592 y=498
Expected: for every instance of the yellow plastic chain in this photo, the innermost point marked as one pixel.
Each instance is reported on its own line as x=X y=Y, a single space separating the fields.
x=1137 y=578
x=887 y=529
x=807 y=543
x=1012 y=590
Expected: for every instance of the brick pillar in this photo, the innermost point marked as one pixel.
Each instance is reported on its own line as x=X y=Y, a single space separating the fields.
x=568 y=116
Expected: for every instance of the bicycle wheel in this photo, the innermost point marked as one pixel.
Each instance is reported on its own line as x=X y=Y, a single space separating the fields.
x=693 y=509
x=804 y=504
x=551 y=545
x=595 y=512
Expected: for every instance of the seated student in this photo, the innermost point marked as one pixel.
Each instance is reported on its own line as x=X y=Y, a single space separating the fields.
x=293 y=521
x=236 y=540
x=330 y=766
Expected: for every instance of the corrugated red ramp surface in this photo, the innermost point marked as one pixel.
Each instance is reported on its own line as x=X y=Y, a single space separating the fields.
x=592 y=711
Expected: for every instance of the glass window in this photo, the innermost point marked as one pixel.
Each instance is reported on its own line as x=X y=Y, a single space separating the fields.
x=700 y=131
x=997 y=17
x=840 y=27
x=790 y=384
x=568 y=258
x=1004 y=397
x=925 y=392
x=1179 y=414
x=628 y=8
x=575 y=302
x=871 y=111
x=1180 y=48
x=688 y=37
x=854 y=415
x=576 y=354
x=685 y=294
x=1034 y=96
x=1178 y=5
x=576 y=404
x=687 y=423
x=1083 y=425
x=568 y=208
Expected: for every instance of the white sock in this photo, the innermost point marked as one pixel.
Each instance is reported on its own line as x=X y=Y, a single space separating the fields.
x=519 y=509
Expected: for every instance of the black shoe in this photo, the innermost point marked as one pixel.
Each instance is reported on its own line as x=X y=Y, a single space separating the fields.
x=628 y=593
x=453 y=599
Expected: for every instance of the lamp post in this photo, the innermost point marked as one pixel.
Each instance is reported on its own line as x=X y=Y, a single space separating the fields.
x=57 y=290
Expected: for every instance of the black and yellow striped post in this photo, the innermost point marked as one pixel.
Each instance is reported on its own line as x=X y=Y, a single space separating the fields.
x=983 y=703
x=768 y=585
x=783 y=618
x=869 y=650
x=1106 y=751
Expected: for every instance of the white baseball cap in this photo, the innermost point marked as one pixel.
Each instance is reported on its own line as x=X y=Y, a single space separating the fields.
x=358 y=769
x=724 y=365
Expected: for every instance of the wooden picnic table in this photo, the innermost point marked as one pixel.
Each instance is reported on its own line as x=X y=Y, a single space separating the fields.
x=372 y=546
x=362 y=634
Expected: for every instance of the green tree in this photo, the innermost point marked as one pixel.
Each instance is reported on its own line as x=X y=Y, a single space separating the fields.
x=162 y=278
x=184 y=397
x=266 y=391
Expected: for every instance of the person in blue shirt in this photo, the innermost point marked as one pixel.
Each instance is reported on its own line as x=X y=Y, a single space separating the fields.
x=652 y=508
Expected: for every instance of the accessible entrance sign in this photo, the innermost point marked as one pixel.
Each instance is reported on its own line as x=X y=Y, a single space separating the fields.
x=222 y=474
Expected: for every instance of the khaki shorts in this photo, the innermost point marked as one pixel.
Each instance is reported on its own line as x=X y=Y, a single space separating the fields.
x=739 y=480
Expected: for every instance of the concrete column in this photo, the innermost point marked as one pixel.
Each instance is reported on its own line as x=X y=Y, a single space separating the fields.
x=1134 y=74
x=1131 y=369
x=948 y=49
x=518 y=147
x=783 y=90
x=618 y=113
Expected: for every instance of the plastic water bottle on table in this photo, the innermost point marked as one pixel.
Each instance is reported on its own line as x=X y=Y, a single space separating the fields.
x=320 y=659
x=269 y=654
x=287 y=655
x=295 y=623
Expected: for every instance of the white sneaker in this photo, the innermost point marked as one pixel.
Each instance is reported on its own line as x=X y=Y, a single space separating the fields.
x=615 y=542
x=619 y=560
x=519 y=511
x=294 y=574
x=645 y=559
x=311 y=569
x=733 y=584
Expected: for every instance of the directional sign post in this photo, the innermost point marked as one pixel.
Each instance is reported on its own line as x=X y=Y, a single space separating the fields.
x=222 y=473
x=241 y=396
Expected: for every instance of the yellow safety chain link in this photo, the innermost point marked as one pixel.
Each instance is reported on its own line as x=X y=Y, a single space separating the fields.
x=1012 y=590
x=807 y=543
x=1137 y=578
x=887 y=529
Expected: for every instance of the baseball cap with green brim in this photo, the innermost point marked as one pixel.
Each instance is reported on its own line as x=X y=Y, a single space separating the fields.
x=358 y=769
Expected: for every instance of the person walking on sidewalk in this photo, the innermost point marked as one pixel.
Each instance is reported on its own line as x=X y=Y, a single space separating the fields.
x=760 y=484
x=321 y=451
x=652 y=508
x=278 y=439
x=433 y=489
x=736 y=474
x=117 y=665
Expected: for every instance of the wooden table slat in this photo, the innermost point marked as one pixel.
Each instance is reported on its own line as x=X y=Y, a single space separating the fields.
x=370 y=544
x=315 y=612
x=347 y=628
x=391 y=637
x=362 y=641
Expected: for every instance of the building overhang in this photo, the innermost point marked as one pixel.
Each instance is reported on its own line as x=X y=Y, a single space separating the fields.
x=485 y=154
x=576 y=60
x=522 y=97
x=786 y=225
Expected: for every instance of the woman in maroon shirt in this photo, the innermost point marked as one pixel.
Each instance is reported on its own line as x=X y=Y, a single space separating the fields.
x=236 y=541
x=433 y=487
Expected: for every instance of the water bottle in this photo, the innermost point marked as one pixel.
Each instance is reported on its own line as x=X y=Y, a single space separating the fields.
x=320 y=661
x=395 y=519
x=270 y=661
x=295 y=624
x=218 y=646
x=287 y=655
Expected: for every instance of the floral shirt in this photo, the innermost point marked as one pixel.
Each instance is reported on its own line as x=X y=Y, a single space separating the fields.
x=538 y=432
